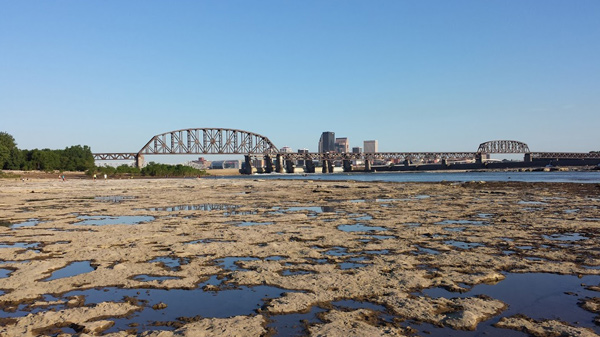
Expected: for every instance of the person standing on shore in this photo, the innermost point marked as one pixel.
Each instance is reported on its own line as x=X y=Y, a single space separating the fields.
x=104 y=176
x=94 y=176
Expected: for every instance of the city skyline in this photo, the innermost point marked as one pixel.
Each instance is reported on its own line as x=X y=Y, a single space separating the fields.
x=434 y=76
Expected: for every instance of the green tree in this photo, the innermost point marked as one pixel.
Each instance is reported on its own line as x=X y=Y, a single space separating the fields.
x=7 y=145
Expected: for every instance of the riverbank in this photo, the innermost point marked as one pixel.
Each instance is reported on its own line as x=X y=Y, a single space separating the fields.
x=346 y=257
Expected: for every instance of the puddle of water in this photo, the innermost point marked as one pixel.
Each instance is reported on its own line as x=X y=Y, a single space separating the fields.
x=170 y=262
x=28 y=223
x=412 y=224
x=360 y=228
x=363 y=218
x=485 y=215
x=229 y=263
x=26 y=245
x=4 y=273
x=251 y=223
x=294 y=324
x=462 y=244
x=200 y=207
x=382 y=237
x=524 y=247
x=290 y=272
x=180 y=303
x=571 y=211
x=377 y=252
x=337 y=251
x=102 y=220
x=525 y=202
x=114 y=198
x=74 y=268
x=536 y=295
x=462 y=222
x=454 y=229
x=591 y=219
x=565 y=237
x=147 y=278
x=350 y=265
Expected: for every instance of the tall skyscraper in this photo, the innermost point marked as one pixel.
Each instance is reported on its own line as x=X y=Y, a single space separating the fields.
x=327 y=142
x=370 y=146
x=342 y=145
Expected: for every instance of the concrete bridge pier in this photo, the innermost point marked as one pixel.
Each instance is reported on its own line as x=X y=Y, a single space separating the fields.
x=289 y=166
x=347 y=164
x=406 y=162
x=139 y=160
x=326 y=166
x=278 y=164
x=527 y=158
x=444 y=162
x=268 y=164
x=248 y=166
x=330 y=166
x=310 y=165
x=479 y=158
x=367 y=165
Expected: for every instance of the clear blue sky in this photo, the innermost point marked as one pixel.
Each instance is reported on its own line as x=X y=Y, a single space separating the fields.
x=415 y=75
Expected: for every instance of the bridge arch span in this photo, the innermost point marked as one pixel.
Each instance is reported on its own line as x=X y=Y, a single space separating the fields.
x=503 y=146
x=209 y=141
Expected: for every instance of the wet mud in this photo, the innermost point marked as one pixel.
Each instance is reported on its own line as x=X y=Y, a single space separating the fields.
x=171 y=257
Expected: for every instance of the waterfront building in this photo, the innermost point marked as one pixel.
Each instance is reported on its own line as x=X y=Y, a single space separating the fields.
x=370 y=146
x=327 y=142
x=342 y=145
x=286 y=149
x=357 y=149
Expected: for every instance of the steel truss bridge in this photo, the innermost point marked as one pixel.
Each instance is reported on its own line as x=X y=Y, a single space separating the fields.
x=209 y=141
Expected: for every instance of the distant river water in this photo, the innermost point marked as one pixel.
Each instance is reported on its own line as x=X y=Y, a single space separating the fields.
x=558 y=177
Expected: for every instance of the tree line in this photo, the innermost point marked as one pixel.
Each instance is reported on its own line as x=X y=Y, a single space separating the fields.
x=73 y=158
x=78 y=158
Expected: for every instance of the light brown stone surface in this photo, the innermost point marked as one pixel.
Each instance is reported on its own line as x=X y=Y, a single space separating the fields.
x=298 y=222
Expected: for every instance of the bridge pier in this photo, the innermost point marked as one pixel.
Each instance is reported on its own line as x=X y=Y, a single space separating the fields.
x=367 y=165
x=289 y=166
x=248 y=166
x=278 y=164
x=310 y=165
x=406 y=162
x=527 y=158
x=479 y=158
x=347 y=164
x=139 y=160
x=444 y=162
x=268 y=164
x=327 y=166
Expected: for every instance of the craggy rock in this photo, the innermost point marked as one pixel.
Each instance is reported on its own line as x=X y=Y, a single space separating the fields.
x=83 y=318
x=319 y=241
x=546 y=328
x=353 y=323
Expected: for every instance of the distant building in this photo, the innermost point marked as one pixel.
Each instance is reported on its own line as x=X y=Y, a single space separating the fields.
x=370 y=146
x=342 y=145
x=286 y=149
x=327 y=142
x=356 y=150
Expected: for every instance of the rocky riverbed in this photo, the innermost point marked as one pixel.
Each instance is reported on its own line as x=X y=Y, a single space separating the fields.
x=244 y=257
